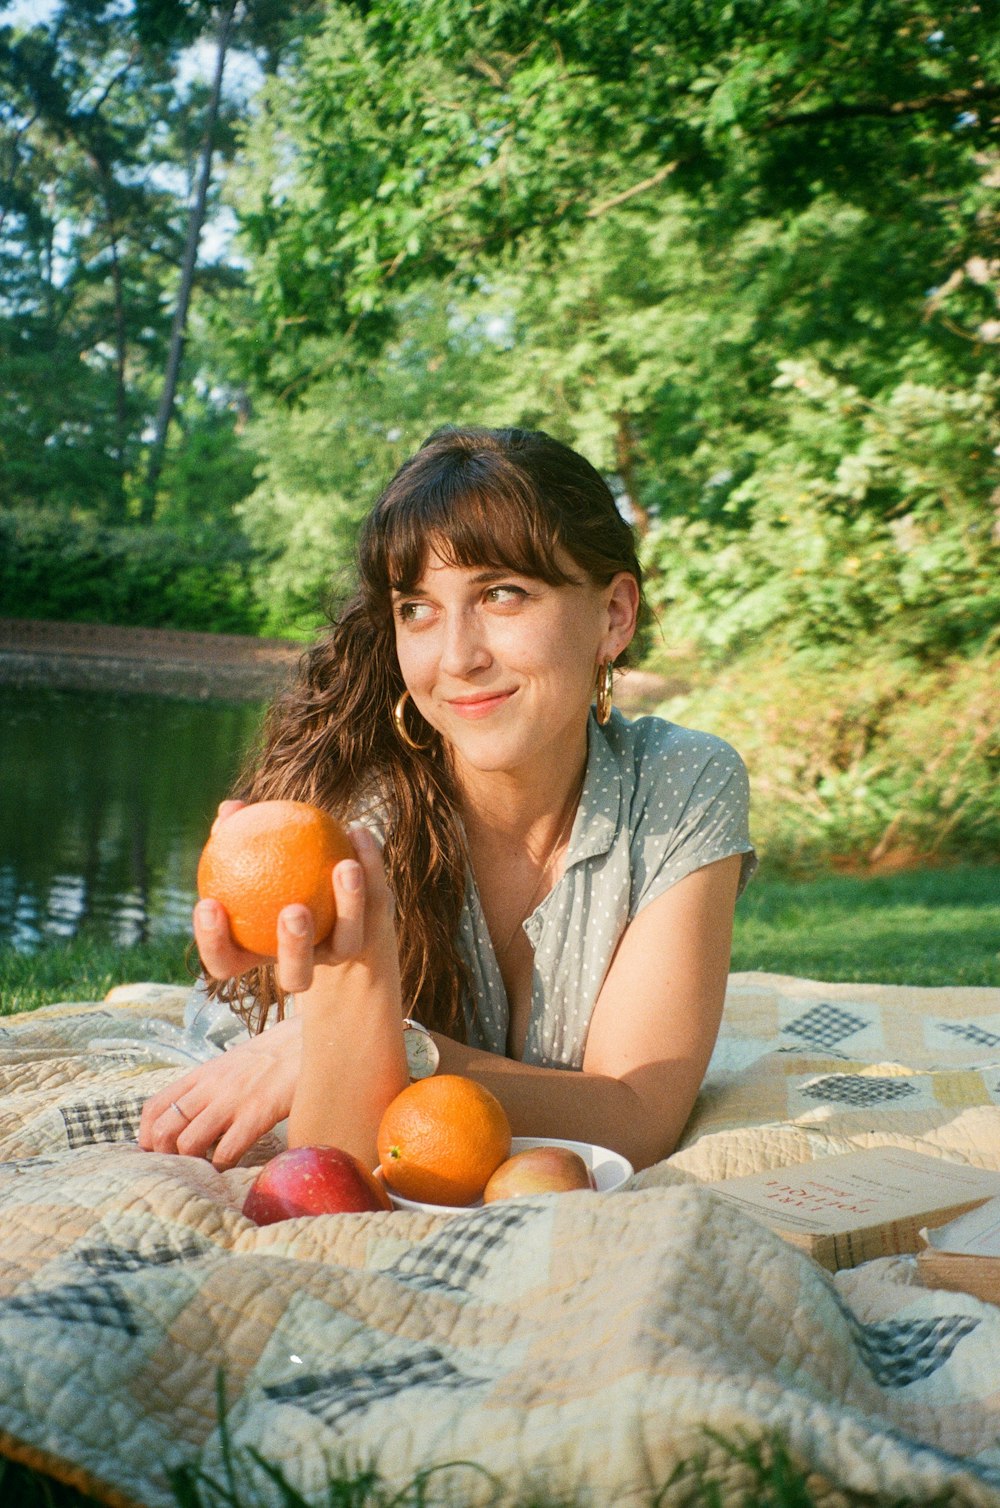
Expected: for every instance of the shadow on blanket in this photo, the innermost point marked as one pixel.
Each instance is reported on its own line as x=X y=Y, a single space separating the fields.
x=574 y=1343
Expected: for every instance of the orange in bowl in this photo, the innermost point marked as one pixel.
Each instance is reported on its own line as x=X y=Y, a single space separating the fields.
x=440 y=1140
x=269 y=855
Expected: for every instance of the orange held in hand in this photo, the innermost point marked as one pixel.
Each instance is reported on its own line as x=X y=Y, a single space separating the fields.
x=441 y=1138
x=267 y=856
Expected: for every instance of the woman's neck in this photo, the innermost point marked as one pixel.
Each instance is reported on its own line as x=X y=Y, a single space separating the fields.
x=505 y=807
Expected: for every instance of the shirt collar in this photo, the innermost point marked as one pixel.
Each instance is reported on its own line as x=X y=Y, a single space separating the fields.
x=597 y=817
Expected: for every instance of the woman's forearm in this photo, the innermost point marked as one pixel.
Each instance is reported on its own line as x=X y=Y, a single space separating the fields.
x=353 y=1060
x=579 y=1106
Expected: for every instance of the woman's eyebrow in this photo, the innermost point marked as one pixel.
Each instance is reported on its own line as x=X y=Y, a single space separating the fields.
x=481 y=578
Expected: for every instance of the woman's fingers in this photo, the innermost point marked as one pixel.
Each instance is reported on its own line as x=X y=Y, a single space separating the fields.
x=168 y=1116
x=222 y=957
x=350 y=893
x=229 y=1102
x=295 y=949
x=226 y=809
x=362 y=902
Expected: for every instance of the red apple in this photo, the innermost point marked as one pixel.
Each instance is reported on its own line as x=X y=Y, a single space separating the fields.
x=538 y=1170
x=312 y=1181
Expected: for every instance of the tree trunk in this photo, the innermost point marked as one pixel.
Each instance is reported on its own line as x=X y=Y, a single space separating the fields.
x=625 y=448
x=188 y=265
x=116 y=504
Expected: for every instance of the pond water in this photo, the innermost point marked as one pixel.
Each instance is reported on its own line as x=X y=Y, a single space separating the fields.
x=105 y=802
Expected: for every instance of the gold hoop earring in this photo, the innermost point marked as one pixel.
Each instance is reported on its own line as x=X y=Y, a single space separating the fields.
x=399 y=718
x=605 y=691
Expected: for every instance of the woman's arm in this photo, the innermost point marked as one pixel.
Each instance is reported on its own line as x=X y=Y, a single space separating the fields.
x=335 y=1066
x=353 y=1057
x=347 y=1001
x=651 y=1035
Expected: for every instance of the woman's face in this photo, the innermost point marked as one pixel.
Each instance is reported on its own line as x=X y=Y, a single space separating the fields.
x=503 y=665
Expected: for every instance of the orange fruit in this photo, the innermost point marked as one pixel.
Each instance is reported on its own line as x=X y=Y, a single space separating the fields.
x=269 y=855
x=441 y=1138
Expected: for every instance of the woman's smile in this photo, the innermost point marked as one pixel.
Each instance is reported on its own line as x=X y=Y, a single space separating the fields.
x=478 y=704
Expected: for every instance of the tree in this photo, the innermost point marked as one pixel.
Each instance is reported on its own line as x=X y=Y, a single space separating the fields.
x=196 y=220
x=84 y=234
x=652 y=210
x=98 y=161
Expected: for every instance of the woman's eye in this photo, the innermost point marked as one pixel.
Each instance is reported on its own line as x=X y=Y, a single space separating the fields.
x=505 y=595
x=412 y=612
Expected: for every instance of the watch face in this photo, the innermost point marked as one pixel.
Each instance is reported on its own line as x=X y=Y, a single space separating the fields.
x=422 y=1056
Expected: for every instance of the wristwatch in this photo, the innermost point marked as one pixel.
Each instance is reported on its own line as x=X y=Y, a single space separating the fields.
x=422 y=1056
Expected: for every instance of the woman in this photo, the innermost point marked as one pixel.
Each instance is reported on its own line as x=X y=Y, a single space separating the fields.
x=557 y=885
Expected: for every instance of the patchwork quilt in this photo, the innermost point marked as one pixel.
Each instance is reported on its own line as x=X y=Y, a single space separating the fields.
x=585 y=1346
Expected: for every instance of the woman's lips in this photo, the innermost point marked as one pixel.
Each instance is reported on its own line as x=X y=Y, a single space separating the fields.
x=472 y=707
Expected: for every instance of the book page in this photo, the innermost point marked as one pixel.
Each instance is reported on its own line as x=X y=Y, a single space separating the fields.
x=976 y=1234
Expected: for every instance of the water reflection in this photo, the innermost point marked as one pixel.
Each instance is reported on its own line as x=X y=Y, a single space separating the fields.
x=105 y=802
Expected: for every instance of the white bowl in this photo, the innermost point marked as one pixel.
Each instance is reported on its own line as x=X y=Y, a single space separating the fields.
x=609 y=1169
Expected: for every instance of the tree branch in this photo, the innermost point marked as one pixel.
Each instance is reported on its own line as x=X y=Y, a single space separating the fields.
x=886 y=109
x=630 y=193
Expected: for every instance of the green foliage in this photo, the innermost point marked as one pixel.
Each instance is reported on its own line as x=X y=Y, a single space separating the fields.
x=52 y=566
x=865 y=762
x=101 y=132
x=427 y=141
x=22 y=1487
x=862 y=521
x=743 y=260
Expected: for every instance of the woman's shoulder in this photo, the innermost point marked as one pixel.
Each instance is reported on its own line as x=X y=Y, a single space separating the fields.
x=652 y=747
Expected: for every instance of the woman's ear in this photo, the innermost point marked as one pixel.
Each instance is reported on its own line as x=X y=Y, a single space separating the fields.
x=622 y=602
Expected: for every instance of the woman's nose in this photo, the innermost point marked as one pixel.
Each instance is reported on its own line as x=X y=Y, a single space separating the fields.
x=464 y=646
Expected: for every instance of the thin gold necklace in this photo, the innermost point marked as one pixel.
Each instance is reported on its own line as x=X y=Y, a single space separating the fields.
x=527 y=910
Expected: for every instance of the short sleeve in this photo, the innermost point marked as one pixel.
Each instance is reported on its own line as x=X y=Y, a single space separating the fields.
x=692 y=807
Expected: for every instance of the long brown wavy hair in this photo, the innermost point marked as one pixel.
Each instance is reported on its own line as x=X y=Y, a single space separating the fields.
x=510 y=499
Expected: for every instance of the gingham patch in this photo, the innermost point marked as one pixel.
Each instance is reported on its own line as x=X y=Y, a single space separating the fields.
x=103 y=1119
x=970 y=1032
x=335 y=1395
x=102 y=1304
x=857 y=1089
x=825 y=1026
x=152 y=1254
x=898 y=1352
x=459 y=1254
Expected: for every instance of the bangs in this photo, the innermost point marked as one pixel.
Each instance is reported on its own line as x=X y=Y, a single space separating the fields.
x=494 y=521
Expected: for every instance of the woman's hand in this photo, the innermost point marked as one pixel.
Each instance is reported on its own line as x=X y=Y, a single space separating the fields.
x=229 y=1102
x=362 y=903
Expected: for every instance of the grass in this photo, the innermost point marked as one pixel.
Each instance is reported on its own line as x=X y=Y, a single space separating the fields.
x=923 y=927
x=768 y=1476
x=85 y=968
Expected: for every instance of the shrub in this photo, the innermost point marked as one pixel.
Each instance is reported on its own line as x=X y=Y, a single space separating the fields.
x=870 y=762
x=58 y=567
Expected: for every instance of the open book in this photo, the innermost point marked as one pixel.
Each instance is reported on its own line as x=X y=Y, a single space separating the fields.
x=847 y=1209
